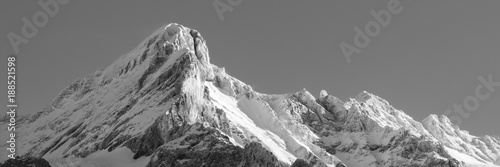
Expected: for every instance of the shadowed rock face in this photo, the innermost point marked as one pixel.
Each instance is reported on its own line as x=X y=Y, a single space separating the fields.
x=166 y=103
x=202 y=146
x=300 y=163
x=25 y=161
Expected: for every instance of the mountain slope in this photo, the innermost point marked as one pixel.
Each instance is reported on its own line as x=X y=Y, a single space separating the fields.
x=165 y=104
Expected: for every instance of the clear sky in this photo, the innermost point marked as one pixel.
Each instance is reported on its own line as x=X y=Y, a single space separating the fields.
x=427 y=59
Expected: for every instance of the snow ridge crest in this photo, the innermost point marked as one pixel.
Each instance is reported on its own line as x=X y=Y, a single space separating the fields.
x=165 y=103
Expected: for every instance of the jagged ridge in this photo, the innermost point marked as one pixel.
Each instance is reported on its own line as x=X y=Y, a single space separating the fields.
x=164 y=104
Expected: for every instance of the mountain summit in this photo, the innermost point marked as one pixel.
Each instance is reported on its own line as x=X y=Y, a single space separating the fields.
x=165 y=104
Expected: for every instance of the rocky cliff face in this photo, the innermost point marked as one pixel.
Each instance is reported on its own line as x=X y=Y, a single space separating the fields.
x=25 y=161
x=165 y=104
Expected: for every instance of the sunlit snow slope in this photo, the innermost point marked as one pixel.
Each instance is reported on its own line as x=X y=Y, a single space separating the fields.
x=165 y=104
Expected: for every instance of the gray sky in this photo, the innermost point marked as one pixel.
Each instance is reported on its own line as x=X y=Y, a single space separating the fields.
x=426 y=59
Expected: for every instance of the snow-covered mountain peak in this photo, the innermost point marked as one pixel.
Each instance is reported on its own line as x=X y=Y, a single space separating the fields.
x=431 y=118
x=165 y=104
x=434 y=119
x=482 y=149
x=323 y=94
x=170 y=42
x=364 y=96
x=369 y=98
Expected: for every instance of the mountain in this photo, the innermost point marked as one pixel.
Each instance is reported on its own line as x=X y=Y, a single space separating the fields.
x=165 y=104
x=497 y=137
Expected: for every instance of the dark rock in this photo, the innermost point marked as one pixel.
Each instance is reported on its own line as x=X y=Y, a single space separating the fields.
x=209 y=147
x=301 y=163
x=25 y=162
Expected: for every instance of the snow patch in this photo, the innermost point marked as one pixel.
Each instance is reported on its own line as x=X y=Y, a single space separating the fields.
x=471 y=161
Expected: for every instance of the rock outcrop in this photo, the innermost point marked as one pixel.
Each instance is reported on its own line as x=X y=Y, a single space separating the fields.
x=165 y=104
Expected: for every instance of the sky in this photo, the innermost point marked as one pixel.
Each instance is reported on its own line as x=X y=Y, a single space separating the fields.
x=426 y=59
